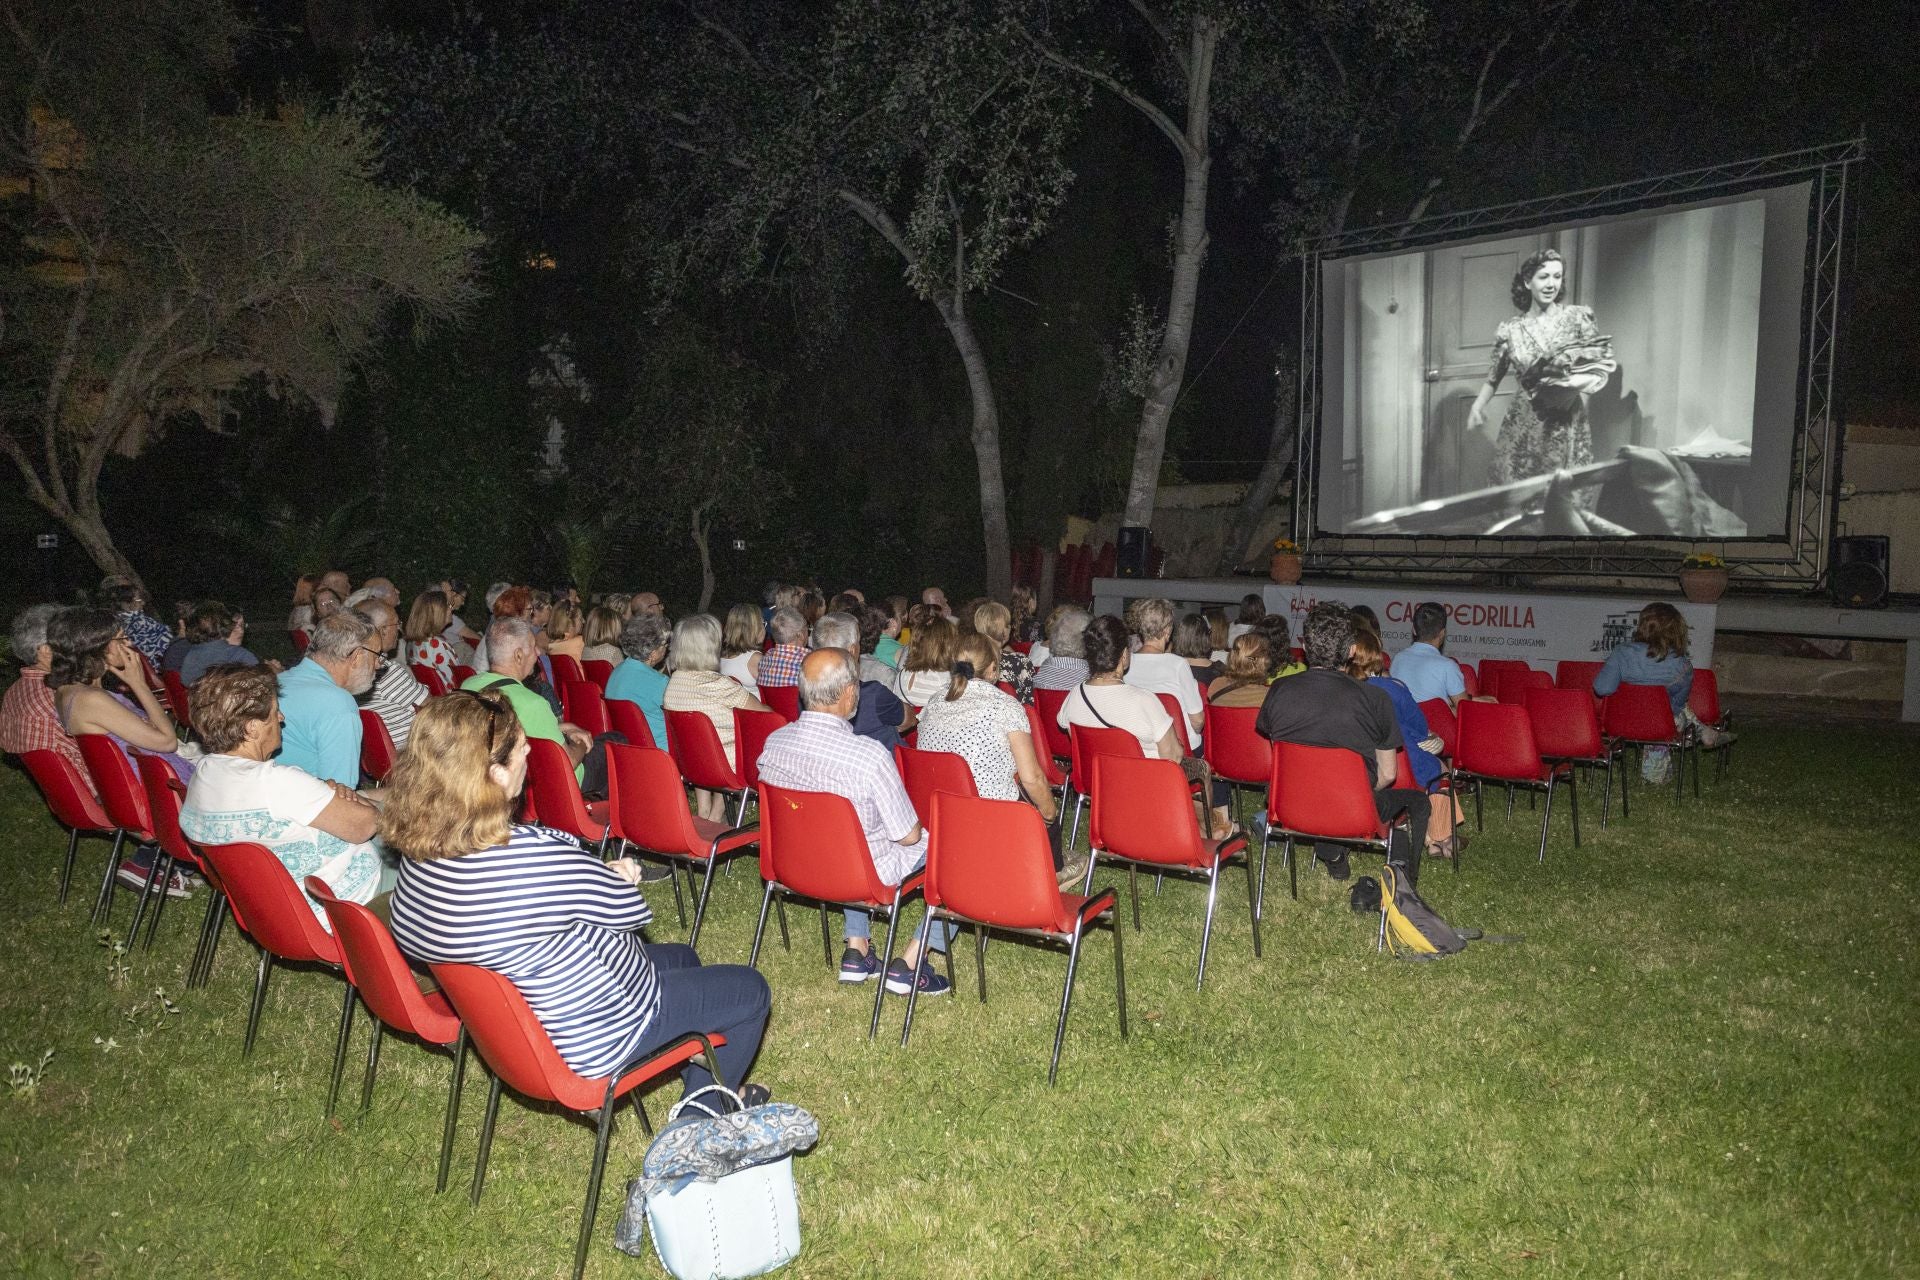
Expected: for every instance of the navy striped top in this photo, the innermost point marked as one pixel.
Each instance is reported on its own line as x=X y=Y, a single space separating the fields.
x=554 y=921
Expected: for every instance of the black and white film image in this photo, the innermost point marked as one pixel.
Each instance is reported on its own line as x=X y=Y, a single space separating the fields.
x=1609 y=379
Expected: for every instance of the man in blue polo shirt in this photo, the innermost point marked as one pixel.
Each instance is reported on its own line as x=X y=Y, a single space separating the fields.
x=322 y=731
x=1427 y=672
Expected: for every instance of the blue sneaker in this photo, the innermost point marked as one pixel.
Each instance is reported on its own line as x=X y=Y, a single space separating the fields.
x=858 y=966
x=901 y=980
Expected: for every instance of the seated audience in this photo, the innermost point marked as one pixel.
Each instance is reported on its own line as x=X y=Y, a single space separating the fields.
x=428 y=622
x=216 y=632
x=566 y=630
x=1064 y=665
x=936 y=599
x=240 y=793
x=1325 y=707
x=880 y=715
x=740 y=642
x=890 y=645
x=1656 y=655
x=1157 y=669
x=602 y=634
x=336 y=581
x=28 y=720
x=1280 y=659
x=512 y=659
x=300 y=614
x=558 y=923
x=697 y=685
x=174 y=656
x=780 y=665
x=322 y=723
x=383 y=590
x=1193 y=642
x=326 y=603
x=1422 y=667
x=643 y=604
x=127 y=600
x=1216 y=623
x=640 y=679
x=874 y=622
x=459 y=636
x=1252 y=609
x=1244 y=682
x=509 y=602
x=995 y=621
x=397 y=693
x=1023 y=626
x=820 y=752
x=1444 y=838
x=927 y=668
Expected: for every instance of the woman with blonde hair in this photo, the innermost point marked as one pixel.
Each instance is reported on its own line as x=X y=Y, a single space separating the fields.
x=995 y=621
x=602 y=634
x=566 y=627
x=562 y=926
x=1368 y=662
x=1244 y=683
x=927 y=668
x=693 y=656
x=740 y=641
x=426 y=638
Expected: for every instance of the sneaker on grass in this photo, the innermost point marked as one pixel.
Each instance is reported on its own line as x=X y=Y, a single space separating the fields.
x=901 y=980
x=134 y=872
x=858 y=966
x=655 y=872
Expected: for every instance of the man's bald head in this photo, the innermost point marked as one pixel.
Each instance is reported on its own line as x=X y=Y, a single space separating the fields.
x=829 y=682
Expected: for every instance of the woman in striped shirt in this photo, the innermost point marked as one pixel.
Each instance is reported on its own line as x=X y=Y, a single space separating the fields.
x=564 y=927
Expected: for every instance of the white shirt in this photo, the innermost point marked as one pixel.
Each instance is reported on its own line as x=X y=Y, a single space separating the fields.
x=737 y=668
x=1168 y=673
x=1118 y=706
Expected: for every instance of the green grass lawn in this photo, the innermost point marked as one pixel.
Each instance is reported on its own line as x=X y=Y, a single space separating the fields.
x=1701 y=1060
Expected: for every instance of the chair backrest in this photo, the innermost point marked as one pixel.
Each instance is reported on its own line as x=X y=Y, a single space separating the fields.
x=1471 y=678
x=585 y=705
x=812 y=842
x=1490 y=667
x=556 y=792
x=1634 y=712
x=1049 y=702
x=694 y=744
x=1084 y=743
x=1323 y=791
x=463 y=673
x=926 y=772
x=69 y=797
x=989 y=860
x=566 y=668
x=784 y=698
x=628 y=719
x=179 y=702
x=1704 y=699
x=267 y=903
x=598 y=670
x=1445 y=726
x=299 y=640
x=121 y=795
x=510 y=1039
x=1570 y=673
x=165 y=794
x=1565 y=723
x=751 y=729
x=1181 y=731
x=1496 y=741
x=1143 y=809
x=379 y=972
x=1515 y=685
x=429 y=675
x=1049 y=767
x=1233 y=749
x=376 y=746
x=646 y=801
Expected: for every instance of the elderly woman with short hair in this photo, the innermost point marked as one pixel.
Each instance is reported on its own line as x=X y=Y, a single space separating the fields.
x=1157 y=669
x=240 y=793
x=1066 y=664
x=602 y=633
x=640 y=679
x=697 y=685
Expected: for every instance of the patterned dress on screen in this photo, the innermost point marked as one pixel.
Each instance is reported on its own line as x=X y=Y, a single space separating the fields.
x=1546 y=427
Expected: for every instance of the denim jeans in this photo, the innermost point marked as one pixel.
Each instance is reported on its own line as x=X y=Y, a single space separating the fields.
x=860 y=924
x=729 y=998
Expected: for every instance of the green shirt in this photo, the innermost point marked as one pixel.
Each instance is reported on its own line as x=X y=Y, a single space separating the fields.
x=536 y=717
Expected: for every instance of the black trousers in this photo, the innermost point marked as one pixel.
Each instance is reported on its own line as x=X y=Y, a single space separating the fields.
x=593 y=767
x=1404 y=846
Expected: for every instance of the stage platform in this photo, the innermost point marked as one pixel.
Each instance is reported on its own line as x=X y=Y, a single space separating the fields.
x=1544 y=626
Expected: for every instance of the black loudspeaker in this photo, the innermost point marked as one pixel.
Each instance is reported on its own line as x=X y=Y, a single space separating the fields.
x=1857 y=572
x=1132 y=550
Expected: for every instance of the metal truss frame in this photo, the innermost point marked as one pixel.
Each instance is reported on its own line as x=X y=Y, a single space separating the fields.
x=1796 y=561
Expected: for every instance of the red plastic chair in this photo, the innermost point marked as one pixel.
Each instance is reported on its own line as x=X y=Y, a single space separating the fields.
x=376 y=747
x=989 y=865
x=585 y=706
x=1472 y=679
x=812 y=846
x=1566 y=729
x=1495 y=669
x=517 y=1049
x=751 y=729
x=556 y=795
x=598 y=670
x=694 y=744
x=1083 y=744
x=1321 y=794
x=1571 y=674
x=275 y=914
x=166 y=794
x=1497 y=745
x=378 y=974
x=1049 y=767
x=1055 y=743
x=429 y=675
x=124 y=801
x=566 y=668
x=925 y=772
x=1516 y=685
x=784 y=698
x=1143 y=817
x=1641 y=716
x=647 y=809
x=1704 y=702
x=70 y=799
x=629 y=720
x=1445 y=725
x=462 y=673
x=299 y=640
x=1182 y=727
x=173 y=694
x=1235 y=753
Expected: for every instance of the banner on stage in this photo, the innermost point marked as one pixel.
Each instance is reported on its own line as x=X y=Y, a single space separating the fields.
x=1541 y=629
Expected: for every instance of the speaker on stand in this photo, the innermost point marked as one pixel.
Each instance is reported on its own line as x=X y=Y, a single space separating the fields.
x=1857 y=571
x=1133 y=551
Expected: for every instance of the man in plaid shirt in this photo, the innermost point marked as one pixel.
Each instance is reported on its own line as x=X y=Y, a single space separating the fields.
x=28 y=720
x=781 y=664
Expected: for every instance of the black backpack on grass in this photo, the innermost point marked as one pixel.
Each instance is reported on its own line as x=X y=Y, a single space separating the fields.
x=1412 y=927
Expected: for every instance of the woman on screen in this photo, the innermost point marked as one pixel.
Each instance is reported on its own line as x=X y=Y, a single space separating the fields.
x=1560 y=358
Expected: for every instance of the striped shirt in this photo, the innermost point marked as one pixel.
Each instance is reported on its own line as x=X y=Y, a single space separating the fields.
x=555 y=922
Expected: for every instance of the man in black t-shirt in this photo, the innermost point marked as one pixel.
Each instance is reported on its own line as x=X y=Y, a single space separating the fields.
x=1323 y=706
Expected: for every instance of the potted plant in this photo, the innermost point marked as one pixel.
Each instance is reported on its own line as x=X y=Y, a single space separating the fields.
x=1286 y=561
x=1703 y=577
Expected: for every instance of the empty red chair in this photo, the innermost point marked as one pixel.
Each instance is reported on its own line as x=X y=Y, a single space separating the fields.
x=70 y=799
x=1235 y=752
x=272 y=911
x=165 y=796
x=462 y=673
x=517 y=1049
x=585 y=706
x=1566 y=729
x=1472 y=679
x=989 y=865
x=695 y=746
x=1143 y=817
x=429 y=675
x=378 y=974
x=556 y=794
x=1497 y=668
x=630 y=721
x=1497 y=745
x=784 y=698
x=925 y=772
x=1048 y=703
x=1515 y=685
x=647 y=809
x=178 y=702
x=124 y=801
x=1704 y=702
x=1571 y=674
x=1445 y=725
x=1320 y=794
x=598 y=670
x=1641 y=716
x=1049 y=767
x=812 y=846
x=376 y=747
x=1084 y=743
x=566 y=668
x=751 y=729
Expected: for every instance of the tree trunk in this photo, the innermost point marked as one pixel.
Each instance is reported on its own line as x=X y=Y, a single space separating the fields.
x=91 y=532
x=1190 y=251
x=986 y=448
x=701 y=542
x=1280 y=451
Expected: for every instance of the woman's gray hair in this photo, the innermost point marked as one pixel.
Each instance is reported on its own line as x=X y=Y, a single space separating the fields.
x=1152 y=617
x=644 y=634
x=696 y=644
x=506 y=637
x=336 y=636
x=1068 y=638
x=788 y=625
x=837 y=631
x=30 y=630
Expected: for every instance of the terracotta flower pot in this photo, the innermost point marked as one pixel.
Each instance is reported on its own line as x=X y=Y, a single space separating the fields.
x=1285 y=568
x=1703 y=586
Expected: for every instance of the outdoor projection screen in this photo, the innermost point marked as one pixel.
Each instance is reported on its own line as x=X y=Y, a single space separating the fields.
x=1679 y=420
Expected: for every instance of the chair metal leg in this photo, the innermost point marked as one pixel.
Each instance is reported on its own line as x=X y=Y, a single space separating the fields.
x=1253 y=901
x=486 y=1141
x=222 y=909
x=153 y=925
x=1479 y=807
x=1206 y=929
x=340 y=1038
x=1573 y=799
x=103 y=901
x=640 y=1113
x=760 y=929
x=1133 y=888
x=679 y=902
x=1546 y=816
x=201 y=943
x=453 y=1109
x=913 y=993
x=591 y=1208
x=1293 y=868
x=259 y=1001
x=155 y=870
x=980 y=958
x=1120 y=978
x=780 y=911
x=1073 y=833
x=1626 y=775
x=1694 y=751
x=1066 y=1000
x=1380 y=939
x=826 y=938
x=373 y=1062
x=740 y=815
x=1259 y=895
x=886 y=958
x=1606 y=800
x=700 y=912
x=66 y=868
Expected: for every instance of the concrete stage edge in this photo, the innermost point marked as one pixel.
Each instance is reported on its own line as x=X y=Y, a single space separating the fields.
x=1773 y=615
